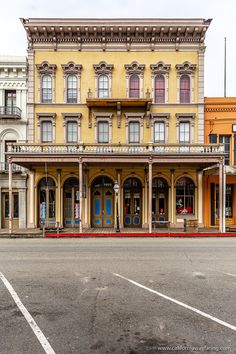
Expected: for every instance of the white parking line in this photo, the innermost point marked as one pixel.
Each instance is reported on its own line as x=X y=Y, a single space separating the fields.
x=204 y=314
x=230 y=274
x=37 y=331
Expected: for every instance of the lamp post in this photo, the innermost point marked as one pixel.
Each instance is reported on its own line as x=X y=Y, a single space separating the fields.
x=116 y=189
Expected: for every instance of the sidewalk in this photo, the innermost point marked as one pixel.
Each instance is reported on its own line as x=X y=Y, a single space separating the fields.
x=111 y=232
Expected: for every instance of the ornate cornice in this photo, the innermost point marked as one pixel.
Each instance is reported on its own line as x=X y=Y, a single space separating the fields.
x=46 y=68
x=220 y=109
x=185 y=68
x=160 y=68
x=71 y=68
x=107 y=33
x=103 y=68
x=134 y=68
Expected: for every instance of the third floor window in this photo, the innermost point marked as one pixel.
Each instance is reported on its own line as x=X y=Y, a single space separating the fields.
x=71 y=89
x=134 y=86
x=46 y=89
x=103 y=86
x=159 y=89
x=184 y=132
x=184 y=89
x=134 y=132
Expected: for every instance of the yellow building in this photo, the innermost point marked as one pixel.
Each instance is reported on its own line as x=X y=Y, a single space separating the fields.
x=115 y=100
x=220 y=127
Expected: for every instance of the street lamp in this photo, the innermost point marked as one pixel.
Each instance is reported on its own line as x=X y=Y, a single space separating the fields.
x=116 y=189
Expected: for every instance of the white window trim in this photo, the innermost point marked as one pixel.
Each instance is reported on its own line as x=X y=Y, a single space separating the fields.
x=161 y=117
x=186 y=69
x=160 y=69
x=134 y=117
x=72 y=117
x=186 y=118
x=137 y=69
x=97 y=85
x=46 y=117
x=46 y=69
x=103 y=117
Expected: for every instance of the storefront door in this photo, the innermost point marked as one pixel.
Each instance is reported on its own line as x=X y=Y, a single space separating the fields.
x=71 y=202
x=159 y=199
x=132 y=203
x=47 y=198
x=102 y=202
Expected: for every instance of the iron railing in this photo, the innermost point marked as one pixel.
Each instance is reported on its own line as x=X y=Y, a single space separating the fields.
x=10 y=112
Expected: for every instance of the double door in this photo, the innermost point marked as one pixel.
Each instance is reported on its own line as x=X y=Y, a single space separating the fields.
x=71 y=207
x=102 y=211
x=132 y=203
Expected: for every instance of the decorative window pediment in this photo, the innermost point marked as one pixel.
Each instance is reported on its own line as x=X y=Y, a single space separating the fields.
x=46 y=68
x=185 y=118
x=72 y=118
x=160 y=118
x=71 y=68
x=160 y=68
x=134 y=68
x=46 y=118
x=185 y=68
x=103 y=68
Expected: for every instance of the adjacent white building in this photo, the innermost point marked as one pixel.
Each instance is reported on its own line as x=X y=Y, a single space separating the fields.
x=13 y=123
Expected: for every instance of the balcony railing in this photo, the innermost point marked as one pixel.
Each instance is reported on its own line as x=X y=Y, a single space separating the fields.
x=4 y=168
x=10 y=112
x=115 y=149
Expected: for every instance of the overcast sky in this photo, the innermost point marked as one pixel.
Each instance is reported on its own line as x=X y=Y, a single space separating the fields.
x=13 y=38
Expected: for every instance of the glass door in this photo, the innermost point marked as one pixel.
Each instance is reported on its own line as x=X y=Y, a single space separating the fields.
x=132 y=203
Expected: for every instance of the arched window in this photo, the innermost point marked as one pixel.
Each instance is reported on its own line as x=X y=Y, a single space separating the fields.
x=103 y=86
x=184 y=89
x=185 y=196
x=134 y=86
x=159 y=89
x=46 y=89
x=71 y=89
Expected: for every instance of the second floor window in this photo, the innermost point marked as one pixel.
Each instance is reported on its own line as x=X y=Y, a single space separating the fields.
x=159 y=132
x=159 y=89
x=72 y=132
x=46 y=89
x=184 y=89
x=134 y=86
x=71 y=89
x=103 y=132
x=46 y=132
x=134 y=132
x=184 y=132
x=103 y=86
x=225 y=139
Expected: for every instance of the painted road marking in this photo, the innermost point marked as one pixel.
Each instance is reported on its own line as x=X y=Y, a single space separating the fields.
x=204 y=314
x=37 y=331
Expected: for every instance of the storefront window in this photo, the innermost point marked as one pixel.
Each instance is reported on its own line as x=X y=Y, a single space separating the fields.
x=185 y=196
x=228 y=201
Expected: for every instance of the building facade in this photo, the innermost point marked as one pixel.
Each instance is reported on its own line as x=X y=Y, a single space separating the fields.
x=13 y=123
x=220 y=127
x=115 y=100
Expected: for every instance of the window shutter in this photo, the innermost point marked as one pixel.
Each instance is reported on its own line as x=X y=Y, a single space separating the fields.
x=213 y=138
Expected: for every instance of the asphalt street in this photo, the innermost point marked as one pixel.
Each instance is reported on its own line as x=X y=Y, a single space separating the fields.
x=122 y=296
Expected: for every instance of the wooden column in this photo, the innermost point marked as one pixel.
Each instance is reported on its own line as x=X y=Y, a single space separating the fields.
x=200 y=197
x=118 y=178
x=150 y=195
x=221 y=197
x=58 y=207
x=31 y=201
x=172 y=197
x=80 y=194
x=224 y=198
x=10 y=198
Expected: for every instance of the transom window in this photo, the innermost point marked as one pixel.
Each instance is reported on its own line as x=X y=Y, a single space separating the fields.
x=134 y=86
x=71 y=89
x=184 y=132
x=159 y=132
x=185 y=196
x=46 y=132
x=72 y=132
x=103 y=132
x=159 y=89
x=46 y=89
x=134 y=132
x=184 y=89
x=103 y=86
